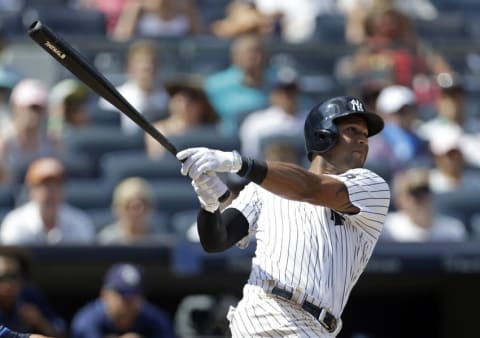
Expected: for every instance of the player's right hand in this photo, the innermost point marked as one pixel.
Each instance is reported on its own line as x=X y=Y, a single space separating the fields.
x=197 y=161
x=209 y=188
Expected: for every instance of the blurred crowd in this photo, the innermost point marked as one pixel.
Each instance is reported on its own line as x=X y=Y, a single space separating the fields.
x=75 y=171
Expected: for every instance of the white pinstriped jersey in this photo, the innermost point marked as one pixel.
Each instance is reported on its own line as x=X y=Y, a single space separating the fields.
x=313 y=248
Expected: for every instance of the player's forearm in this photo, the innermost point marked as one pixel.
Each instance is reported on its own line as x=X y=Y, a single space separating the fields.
x=284 y=179
x=218 y=232
x=294 y=182
x=291 y=181
x=212 y=233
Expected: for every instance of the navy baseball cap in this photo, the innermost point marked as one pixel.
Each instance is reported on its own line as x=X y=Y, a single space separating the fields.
x=124 y=278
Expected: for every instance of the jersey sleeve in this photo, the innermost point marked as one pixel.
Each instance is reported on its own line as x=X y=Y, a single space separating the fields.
x=371 y=194
x=249 y=204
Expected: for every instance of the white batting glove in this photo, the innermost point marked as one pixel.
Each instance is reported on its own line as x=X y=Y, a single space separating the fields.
x=197 y=161
x=209 y=188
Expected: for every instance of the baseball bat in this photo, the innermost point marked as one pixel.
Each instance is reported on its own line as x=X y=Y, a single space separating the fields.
x=71 y=59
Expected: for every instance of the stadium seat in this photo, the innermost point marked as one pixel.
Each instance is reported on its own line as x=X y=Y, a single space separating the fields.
x=116 y=166
x=181 y=221
x=381 y=168
x=206 y=55
x=463 y=204
x=7 y=200
x=102 y=217
x=211 y=10
x=206 y=137
x=104 y=117
x=297 y=141
x=330 y=28
x=88 y=193
x=11 y=25
x=68 y=21
x=464 y=7
x=174 y=195
x=447 y=26
x=95 y=141
x=3 y=212
x=76 y=165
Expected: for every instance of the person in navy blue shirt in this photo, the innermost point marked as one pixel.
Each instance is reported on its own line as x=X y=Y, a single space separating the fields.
x=5 y=332
x=121 y=310
x=24 y=307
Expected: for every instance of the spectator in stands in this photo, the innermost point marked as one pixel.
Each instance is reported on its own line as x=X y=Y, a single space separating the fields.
x=296 y=20
x=393 y=52
x=450 y=172
x=415 y=219
x=282 y=151
x=111 y=8
x=22 y=306
x=243 y=87
x=67 y=108
x=27 y=138
x=398 y=144
x=122 y=309
x=357 y=11
x=141 y=88
x=243 y=17
x=132 y=205
x=451 y=107
x=46 y=218
x=282 y=117
x=157 y=18
x=8 y=80
x=189 y=110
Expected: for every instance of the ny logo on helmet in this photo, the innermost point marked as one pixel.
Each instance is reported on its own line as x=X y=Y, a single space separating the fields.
x=357 y=105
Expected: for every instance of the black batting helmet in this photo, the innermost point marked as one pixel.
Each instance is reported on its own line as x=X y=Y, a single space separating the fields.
x=321 y=132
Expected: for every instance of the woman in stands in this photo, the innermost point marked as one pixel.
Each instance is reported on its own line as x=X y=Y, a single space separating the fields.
x=157 y=18
x=189 y=110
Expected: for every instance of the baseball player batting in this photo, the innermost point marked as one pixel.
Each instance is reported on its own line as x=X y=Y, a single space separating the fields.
x=7 y=333
x=315 y=229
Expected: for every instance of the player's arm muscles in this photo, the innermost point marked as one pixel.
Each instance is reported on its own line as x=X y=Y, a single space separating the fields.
x=294 y=182
x=219 y=231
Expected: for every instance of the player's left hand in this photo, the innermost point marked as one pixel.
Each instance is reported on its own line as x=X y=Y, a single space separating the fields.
x=200 y=160
x=209 y=188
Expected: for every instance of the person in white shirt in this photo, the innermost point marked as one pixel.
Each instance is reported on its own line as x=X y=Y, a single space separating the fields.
x=46 y=218
x=141 y=89
x=416 y=219
x=451 y=172
x=282 y=117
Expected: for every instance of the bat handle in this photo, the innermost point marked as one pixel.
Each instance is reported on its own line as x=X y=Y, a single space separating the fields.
x=225 y=195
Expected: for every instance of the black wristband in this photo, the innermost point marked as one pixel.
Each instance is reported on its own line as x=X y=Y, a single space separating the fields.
x=253 y=170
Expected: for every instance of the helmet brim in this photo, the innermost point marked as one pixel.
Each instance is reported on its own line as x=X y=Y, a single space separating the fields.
x=374 y=122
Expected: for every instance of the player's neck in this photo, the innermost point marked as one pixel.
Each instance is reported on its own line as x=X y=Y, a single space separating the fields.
x=320 y=165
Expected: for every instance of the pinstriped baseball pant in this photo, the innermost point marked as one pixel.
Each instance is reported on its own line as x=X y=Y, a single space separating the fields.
x=259 y=314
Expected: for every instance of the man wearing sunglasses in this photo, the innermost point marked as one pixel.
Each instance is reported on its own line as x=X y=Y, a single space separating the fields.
x=23 y=308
